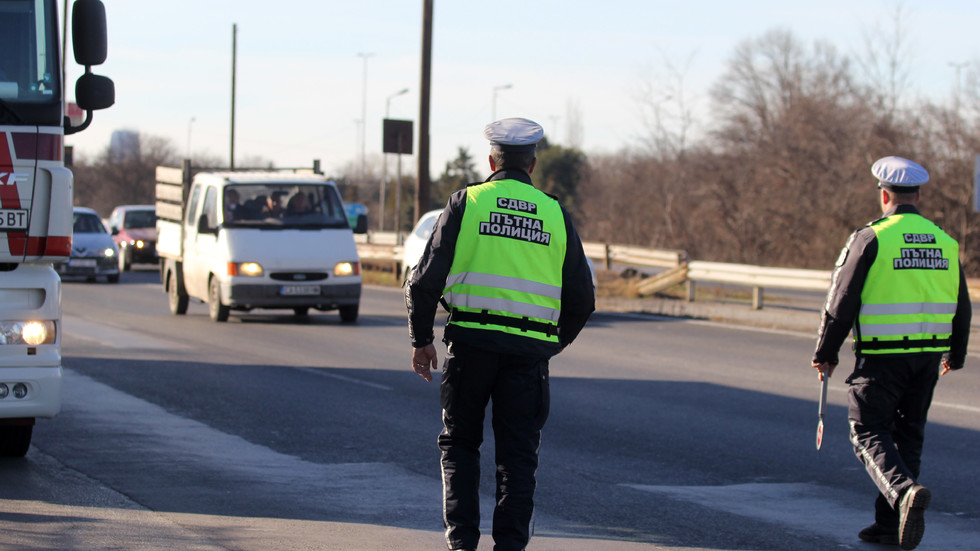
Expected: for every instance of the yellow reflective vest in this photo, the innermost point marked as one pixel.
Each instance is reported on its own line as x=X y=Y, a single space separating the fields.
x=506 y=273
x=910 y=293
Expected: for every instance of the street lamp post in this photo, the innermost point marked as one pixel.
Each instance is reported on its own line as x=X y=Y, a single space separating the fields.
x=384 y=161
x=189 y=124
x=363 y=109
x=493 y=112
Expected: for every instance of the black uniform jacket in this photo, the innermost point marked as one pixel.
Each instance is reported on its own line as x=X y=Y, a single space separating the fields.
x=424 y=287
x=844 y=297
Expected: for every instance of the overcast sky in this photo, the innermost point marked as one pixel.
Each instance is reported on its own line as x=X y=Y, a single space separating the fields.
x=300 y=72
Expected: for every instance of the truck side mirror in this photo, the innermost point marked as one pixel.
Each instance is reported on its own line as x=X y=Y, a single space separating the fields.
x=88 y=32
x=93 y=92
x=362 y=222
x=88 y=29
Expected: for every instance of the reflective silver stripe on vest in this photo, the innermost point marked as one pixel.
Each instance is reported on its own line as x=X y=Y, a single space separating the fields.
x=505 y=282
x=908 y=308
x=502 y=305
x=902 y=329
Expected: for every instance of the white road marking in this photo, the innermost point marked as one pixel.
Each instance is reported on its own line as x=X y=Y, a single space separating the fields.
x=345 y=378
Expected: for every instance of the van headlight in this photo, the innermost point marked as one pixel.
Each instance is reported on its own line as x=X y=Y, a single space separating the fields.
x=252 y=269
x=347 y=269
x=31 y=333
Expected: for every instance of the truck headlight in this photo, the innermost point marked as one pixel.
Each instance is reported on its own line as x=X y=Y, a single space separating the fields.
x=31 y=333
x=347 y=268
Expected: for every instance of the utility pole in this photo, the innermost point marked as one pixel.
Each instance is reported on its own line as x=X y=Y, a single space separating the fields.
x=234 y=53
x=422 y=189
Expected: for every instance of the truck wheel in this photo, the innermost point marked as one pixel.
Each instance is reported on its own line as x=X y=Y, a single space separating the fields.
x=176 y=296
x=217 y=311
x=348 y=314
x=15 y=440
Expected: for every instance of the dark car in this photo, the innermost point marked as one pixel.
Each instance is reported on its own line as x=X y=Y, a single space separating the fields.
x=93 y=253
x=134 y=229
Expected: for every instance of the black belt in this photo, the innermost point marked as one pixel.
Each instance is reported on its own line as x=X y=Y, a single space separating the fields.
x=484 y=317
x=904 y=344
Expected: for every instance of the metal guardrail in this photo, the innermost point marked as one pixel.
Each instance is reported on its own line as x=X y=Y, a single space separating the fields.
x=757 y=277
x=384 y=257
x=379 y=249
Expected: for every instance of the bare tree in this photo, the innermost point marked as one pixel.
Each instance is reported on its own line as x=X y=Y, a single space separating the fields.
x=885 y=60
x=114 y=179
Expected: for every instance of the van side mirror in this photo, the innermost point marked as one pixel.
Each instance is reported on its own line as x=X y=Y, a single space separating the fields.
x=362 y=222
x=203 y=226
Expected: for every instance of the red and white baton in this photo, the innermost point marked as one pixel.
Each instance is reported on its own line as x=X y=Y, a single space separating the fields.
x=823 y=402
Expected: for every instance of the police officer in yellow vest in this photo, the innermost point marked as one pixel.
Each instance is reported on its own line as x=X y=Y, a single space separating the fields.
x=507 y=263
x=899 y=286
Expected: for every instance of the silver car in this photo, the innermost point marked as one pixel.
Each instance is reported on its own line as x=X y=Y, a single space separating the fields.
x=93 y=253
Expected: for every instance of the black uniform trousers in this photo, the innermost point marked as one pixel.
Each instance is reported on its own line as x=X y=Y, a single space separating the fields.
x=888 y=402
x=518 y=386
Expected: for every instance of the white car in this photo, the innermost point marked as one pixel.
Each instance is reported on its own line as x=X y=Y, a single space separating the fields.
x=414 y=245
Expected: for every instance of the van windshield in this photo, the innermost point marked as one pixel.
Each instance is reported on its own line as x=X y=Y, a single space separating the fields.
x=283 y=205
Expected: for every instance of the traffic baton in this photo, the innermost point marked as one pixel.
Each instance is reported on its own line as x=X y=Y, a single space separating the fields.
x=823 y=403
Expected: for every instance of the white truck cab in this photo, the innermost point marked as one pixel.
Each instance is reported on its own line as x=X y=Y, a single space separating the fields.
x=256 y=240
x=36 y=199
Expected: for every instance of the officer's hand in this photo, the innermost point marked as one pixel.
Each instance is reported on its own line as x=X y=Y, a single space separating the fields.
x=424 y=360
x=824 y=369
x=946 y=368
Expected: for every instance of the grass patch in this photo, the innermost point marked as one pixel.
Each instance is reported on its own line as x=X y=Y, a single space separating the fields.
x=385 y=278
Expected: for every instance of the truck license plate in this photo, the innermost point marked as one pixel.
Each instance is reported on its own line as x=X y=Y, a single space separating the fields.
x=13 y=219
x=300 y=290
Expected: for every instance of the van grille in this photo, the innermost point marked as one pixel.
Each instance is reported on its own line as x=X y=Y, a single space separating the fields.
x=298 y=276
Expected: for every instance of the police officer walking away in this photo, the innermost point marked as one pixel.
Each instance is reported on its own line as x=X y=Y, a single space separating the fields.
x=899 y=285
x=509 y=266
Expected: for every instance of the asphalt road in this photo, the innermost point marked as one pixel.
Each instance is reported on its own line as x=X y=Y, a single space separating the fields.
x=269 y=432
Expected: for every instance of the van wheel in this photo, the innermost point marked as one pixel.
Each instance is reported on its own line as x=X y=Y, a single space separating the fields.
x=112 y=278
x=348 y=314
x=217 y=311
x=176 y=296
x=15 y=440
x=301 y=311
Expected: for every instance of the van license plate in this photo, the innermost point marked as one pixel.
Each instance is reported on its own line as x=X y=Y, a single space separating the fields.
x=300 y=290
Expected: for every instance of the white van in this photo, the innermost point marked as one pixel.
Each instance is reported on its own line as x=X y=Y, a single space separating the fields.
x=248 y=240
